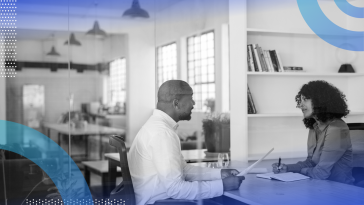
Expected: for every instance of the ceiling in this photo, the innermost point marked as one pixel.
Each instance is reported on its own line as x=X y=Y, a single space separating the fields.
x=90 y=8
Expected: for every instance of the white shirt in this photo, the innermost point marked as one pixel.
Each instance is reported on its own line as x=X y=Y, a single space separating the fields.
x=158 y=169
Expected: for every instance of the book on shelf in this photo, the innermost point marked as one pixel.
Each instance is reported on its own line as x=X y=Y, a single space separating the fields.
x=274 y=61
x=293 y=69
x=256 y=57
x=268 y=60
x=280 y=65
x=251 y=106
x=251 y=66
x=259 y=60
x=262 y=60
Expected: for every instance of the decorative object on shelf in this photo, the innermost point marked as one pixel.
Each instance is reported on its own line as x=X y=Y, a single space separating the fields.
x=96 y=30
x=216 y=128
x=263 y=60
x=72 y=41
x=346 y=68
x=136 y=11
x=251 y=106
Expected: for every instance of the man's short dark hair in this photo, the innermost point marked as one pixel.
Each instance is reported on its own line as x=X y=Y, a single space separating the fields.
x=173 y=89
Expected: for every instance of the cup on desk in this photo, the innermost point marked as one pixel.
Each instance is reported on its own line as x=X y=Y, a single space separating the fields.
x=223 y=160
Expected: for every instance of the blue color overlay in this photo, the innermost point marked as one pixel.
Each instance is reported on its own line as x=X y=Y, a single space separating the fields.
x=327 y=30
x=349 y=9
x=52 y=154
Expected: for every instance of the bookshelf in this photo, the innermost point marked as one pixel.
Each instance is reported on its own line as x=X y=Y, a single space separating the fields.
x=278 y=123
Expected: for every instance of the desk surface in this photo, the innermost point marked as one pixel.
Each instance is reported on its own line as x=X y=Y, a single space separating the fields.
x=90 y=129
x=189 y=155
x=255 y=190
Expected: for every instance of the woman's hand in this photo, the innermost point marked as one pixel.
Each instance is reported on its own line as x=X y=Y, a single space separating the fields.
x=280 y=169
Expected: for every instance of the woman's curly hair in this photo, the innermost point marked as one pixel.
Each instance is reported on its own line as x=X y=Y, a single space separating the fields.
x=328 y=102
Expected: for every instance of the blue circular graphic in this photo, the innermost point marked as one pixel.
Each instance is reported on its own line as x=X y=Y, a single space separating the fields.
x=67 y=176
x=349 y=9
x=327 y=30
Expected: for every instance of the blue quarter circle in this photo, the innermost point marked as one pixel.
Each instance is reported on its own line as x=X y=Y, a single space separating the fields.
x=349 y=9
x=58 y=157
x=327 y=30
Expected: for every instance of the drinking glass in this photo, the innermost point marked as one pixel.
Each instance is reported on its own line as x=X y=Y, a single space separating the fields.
x=212 y=165
x=223 y=160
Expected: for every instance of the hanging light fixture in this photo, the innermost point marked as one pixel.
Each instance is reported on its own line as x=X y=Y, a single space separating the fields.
x=53 y=51
x=96 y=31
x=72 y=40
x=136 y=11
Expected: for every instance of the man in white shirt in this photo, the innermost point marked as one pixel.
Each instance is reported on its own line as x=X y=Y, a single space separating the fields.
x=156 y=164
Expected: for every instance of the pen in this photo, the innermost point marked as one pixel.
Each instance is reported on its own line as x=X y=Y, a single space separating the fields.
x=279 y=164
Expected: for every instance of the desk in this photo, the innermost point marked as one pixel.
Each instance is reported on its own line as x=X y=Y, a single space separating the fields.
x=90 y=129
x=255 y=190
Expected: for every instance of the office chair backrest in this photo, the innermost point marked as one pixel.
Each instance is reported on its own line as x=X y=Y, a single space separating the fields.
x=125 y=190
x=357 y=136
x=357 y=141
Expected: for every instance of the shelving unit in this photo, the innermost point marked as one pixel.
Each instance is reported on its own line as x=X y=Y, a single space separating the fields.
x=278 y=123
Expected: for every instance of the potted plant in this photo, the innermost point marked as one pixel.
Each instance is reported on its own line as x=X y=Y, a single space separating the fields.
x=216 y=128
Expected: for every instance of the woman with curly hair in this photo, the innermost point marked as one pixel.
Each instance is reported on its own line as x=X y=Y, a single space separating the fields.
x=329 y=145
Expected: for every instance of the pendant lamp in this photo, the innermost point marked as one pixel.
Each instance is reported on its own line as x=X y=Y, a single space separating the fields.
x=53 y=52
x=135 y=11
x=96 y=31
x=73 y=40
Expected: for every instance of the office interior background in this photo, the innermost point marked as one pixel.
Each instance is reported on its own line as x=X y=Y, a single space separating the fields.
x=111 y=79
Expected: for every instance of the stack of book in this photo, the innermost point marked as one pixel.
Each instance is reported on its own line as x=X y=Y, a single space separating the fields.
x=263 y=60
x=251 y=106
x=293 y=69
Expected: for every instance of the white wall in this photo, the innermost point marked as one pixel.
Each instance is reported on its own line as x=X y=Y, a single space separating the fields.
x=238 y=82
x=140 y=78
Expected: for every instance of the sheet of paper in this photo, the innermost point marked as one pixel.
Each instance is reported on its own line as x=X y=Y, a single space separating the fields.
x=245 y=171
x=286 y=177
x=258 y=171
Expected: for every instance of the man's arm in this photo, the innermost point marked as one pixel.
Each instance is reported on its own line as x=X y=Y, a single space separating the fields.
x=196 y=173
x=170 y=166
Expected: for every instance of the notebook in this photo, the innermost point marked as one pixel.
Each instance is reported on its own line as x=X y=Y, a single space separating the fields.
x=286 y=177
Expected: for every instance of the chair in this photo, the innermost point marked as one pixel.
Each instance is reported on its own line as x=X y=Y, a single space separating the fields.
x=357 y=141
x=125 y=189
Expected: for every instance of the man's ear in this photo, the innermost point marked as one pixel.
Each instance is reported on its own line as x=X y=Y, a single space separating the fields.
x=175 y=103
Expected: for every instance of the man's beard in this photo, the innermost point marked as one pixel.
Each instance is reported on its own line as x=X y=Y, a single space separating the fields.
x=185 y=116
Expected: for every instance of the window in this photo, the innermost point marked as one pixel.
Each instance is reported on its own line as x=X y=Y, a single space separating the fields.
x=166 y=63
x=201 y=70
x=117 y=81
